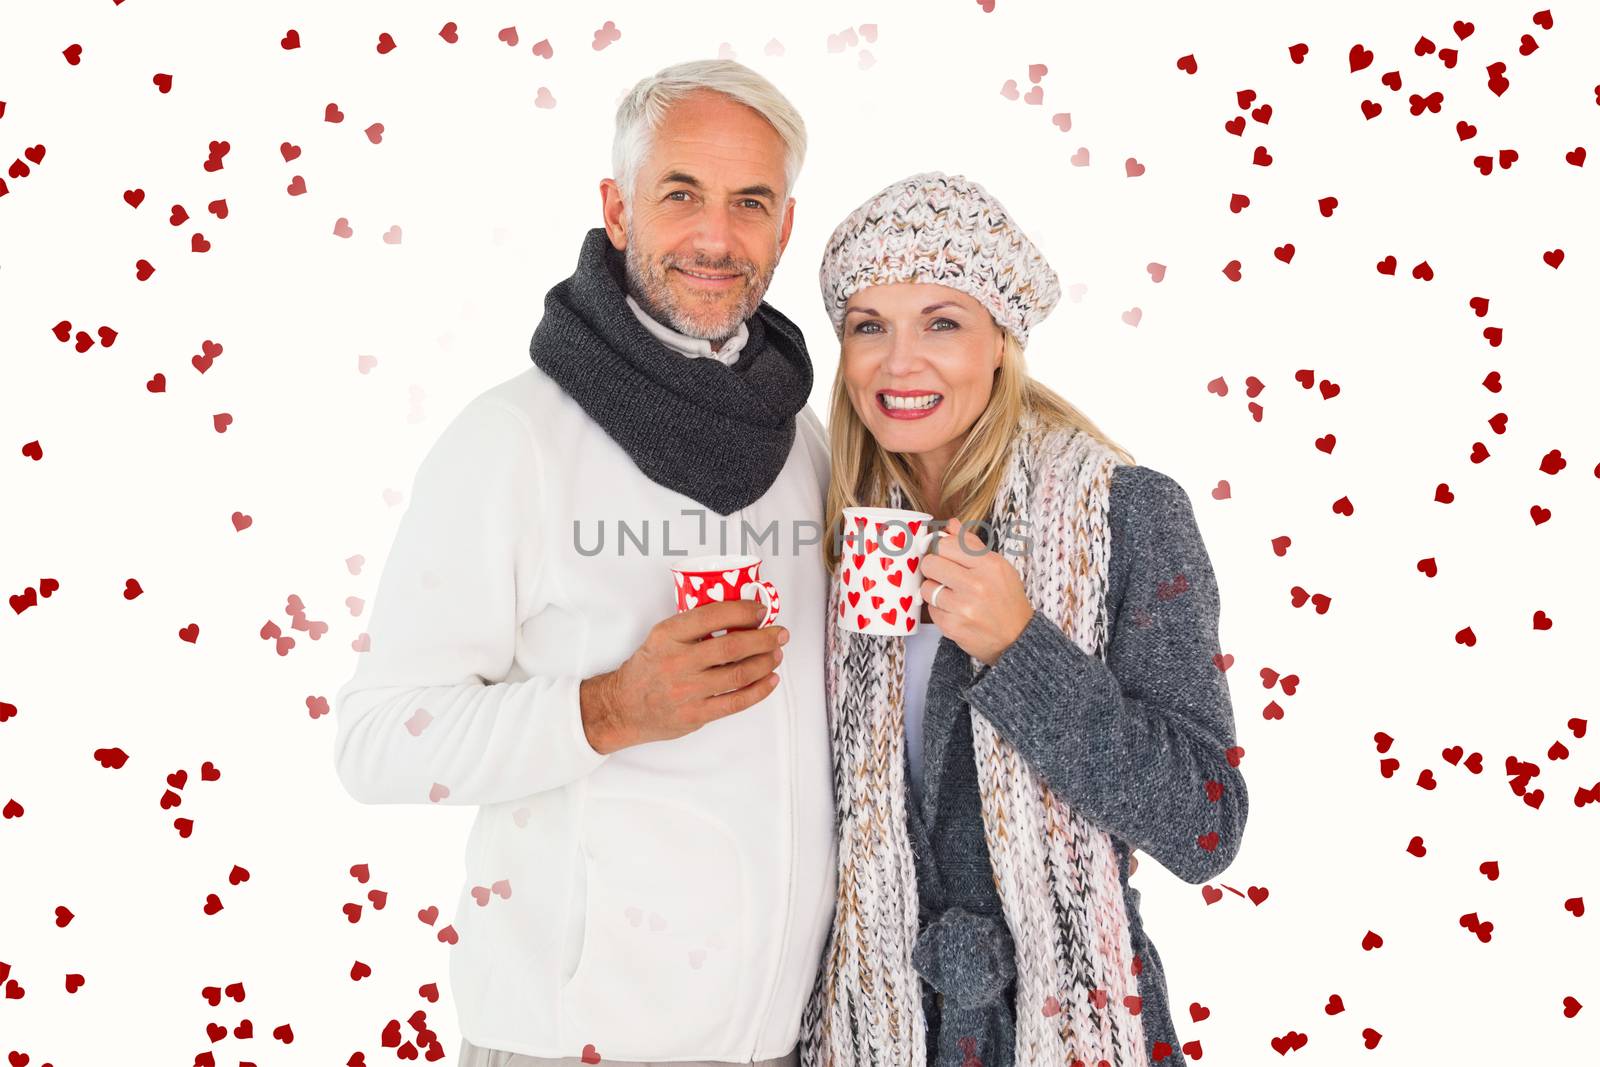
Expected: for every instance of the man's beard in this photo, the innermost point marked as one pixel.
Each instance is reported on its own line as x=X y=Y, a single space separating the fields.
x=647 y=284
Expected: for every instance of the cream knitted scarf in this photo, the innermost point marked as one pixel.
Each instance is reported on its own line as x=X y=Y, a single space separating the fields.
x=1057 y=874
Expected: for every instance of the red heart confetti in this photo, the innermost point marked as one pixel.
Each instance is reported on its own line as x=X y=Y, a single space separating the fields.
x=1446 y=100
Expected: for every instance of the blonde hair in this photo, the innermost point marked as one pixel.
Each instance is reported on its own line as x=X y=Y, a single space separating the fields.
x=863 y=470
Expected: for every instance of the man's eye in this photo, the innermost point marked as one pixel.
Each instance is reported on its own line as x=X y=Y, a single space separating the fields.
x=758 y=205
x=677 y=192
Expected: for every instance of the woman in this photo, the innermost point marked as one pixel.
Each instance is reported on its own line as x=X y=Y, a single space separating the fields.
x=1062 y=704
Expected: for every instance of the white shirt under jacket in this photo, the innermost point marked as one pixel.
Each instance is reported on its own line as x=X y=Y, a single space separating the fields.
x=668 y=901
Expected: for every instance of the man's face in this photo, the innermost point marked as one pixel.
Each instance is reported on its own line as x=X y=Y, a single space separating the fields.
x=707 y=219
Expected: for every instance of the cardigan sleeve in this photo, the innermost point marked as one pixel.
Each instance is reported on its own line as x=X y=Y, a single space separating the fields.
x=1136 y=744
x=430 y=715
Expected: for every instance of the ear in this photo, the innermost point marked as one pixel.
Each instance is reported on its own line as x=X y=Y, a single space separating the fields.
x=611 y=208
x=788 y=225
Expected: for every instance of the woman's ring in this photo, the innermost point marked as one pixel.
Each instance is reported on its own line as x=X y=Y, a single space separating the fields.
x=933 y=601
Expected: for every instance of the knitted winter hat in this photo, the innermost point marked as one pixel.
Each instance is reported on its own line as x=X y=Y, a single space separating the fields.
x=946 y=229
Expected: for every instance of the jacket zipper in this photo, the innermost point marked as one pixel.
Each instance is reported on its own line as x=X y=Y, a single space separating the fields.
x=788 y=893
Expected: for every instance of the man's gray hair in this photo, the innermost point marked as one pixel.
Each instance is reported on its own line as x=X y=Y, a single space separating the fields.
x=641 y=111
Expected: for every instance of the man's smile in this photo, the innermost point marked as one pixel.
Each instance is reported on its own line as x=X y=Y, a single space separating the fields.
x=709 y=278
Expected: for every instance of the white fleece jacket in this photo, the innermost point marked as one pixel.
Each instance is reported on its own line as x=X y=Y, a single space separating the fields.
x=668 y=901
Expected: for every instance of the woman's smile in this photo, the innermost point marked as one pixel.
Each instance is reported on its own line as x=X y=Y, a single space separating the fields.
x=908 y=403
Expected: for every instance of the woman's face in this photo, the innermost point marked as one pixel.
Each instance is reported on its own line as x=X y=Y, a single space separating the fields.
x=918 y=362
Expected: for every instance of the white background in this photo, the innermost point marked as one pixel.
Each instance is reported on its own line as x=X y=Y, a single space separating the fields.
x=493 y=195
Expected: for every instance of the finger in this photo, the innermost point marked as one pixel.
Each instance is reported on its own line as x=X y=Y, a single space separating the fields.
x=690 y=626
x=941 y=570
x=960 y=545
x=736 y=645
x=738 y=674
x=968 y=544
x=948 y=600
x=953 y=565
x=944 y=547
x=725 y=704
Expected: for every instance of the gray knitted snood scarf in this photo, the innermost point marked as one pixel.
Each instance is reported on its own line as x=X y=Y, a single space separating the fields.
x=717 y=434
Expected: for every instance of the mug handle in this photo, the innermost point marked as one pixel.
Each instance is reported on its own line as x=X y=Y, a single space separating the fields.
x=767 y=593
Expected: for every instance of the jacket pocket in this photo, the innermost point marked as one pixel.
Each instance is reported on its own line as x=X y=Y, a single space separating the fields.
x=661 y=969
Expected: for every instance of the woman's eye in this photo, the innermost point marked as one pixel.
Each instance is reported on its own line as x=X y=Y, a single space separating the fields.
x=861 y=327
x=947 y=322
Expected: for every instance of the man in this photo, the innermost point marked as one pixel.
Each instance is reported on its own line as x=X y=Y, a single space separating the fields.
x=651 y=872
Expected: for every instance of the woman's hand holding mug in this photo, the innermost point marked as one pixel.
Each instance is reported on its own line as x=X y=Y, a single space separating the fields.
x=982 y=606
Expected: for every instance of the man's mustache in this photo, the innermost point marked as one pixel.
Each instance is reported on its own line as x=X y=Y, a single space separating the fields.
x=724 y=265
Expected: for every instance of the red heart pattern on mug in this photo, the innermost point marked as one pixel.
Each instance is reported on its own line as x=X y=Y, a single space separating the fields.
x=716 y=579
x=891 y=545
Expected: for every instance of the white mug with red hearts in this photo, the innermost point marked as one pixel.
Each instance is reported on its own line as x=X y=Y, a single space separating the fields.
x=708 y=579
x=880 y=570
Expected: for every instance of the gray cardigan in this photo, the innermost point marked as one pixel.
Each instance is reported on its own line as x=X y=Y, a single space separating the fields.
x=1129 y=743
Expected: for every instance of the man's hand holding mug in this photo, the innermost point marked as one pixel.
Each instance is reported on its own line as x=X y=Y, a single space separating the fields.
x=682 y=676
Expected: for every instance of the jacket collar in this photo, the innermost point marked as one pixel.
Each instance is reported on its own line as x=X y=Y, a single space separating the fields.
x=693 y=347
